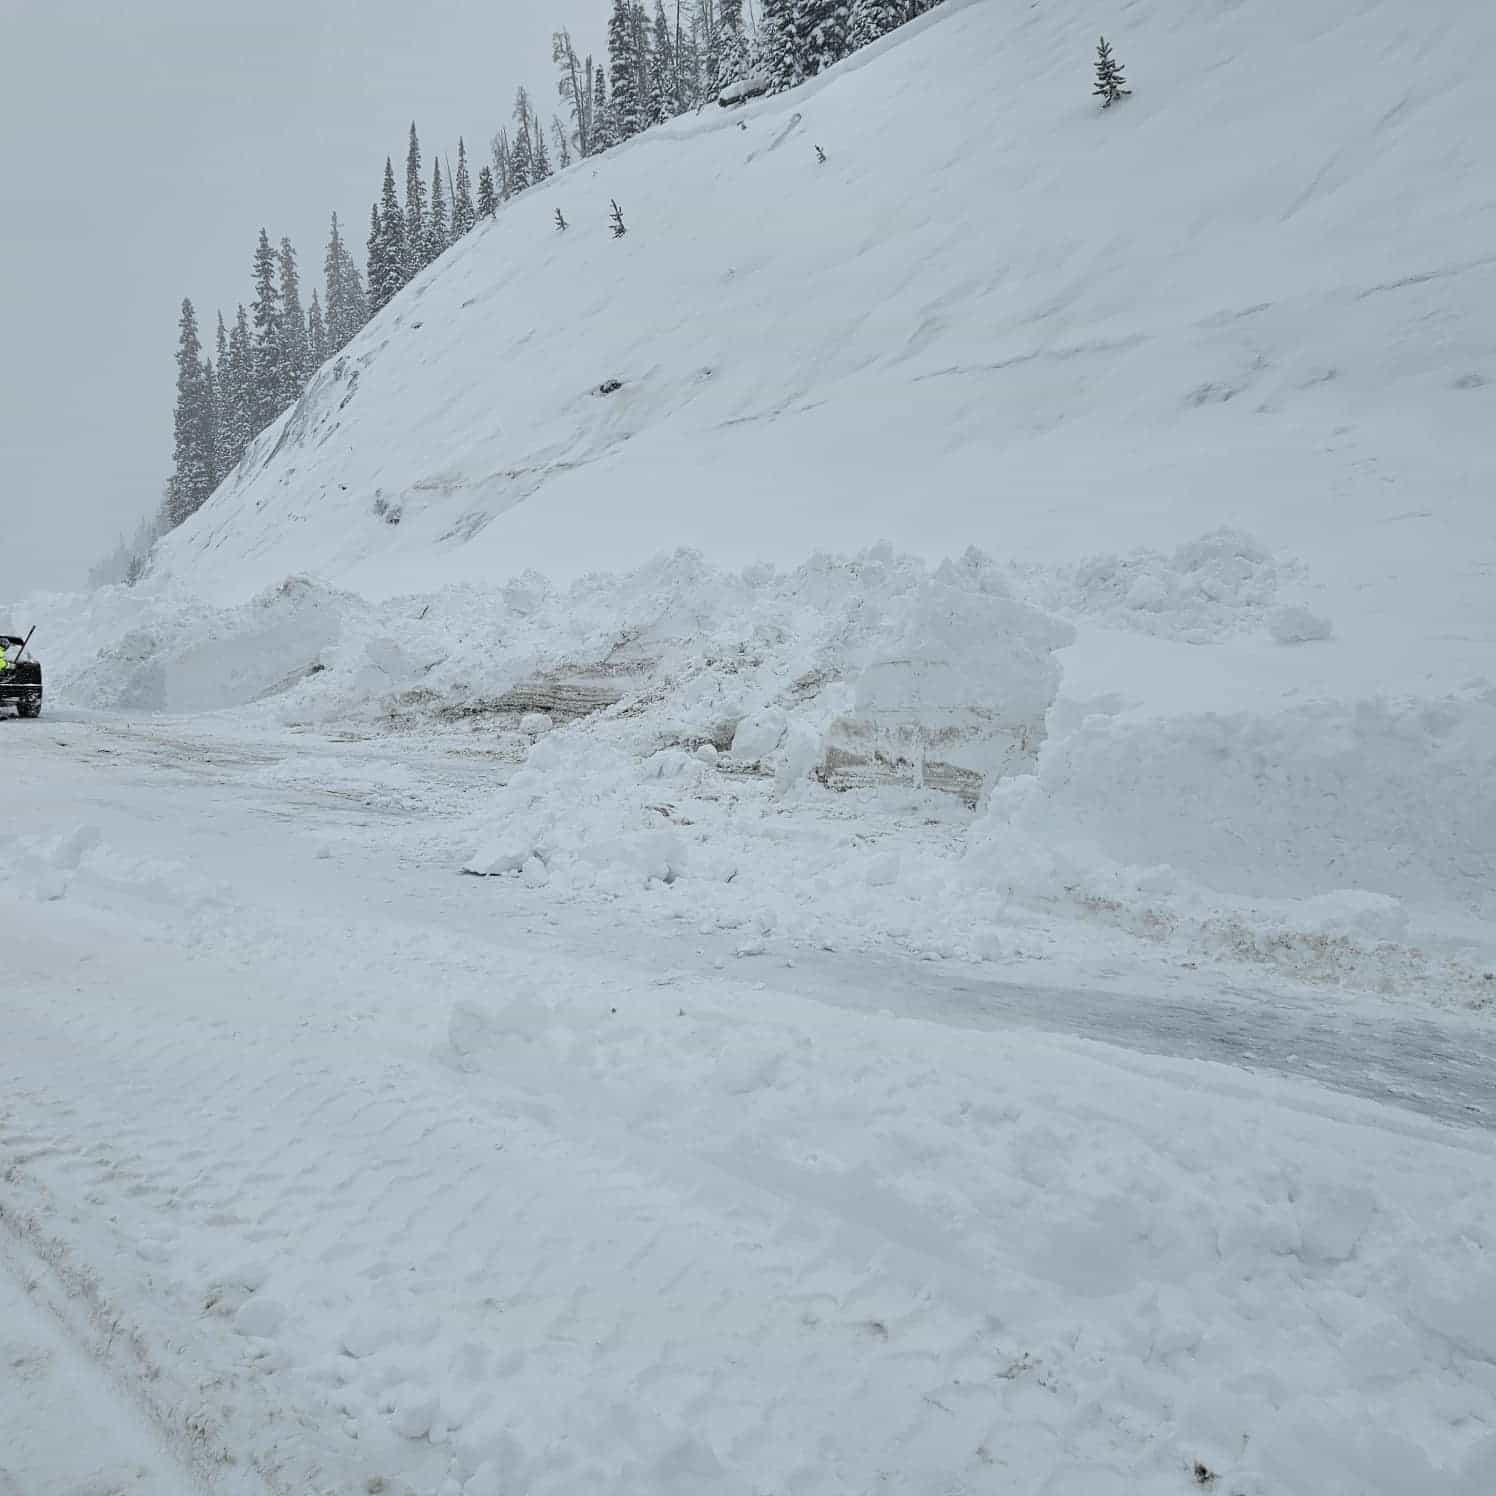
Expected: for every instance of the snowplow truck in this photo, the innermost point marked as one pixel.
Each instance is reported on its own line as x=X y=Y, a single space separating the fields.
x=21 y=679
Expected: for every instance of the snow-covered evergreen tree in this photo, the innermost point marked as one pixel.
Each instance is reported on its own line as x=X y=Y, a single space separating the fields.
x=416 y=236
x=1110 y=84
x=194 y=475
x=438 y=223
x=291 y=321
x=732 y=56
x=374 y=260
x=387 y=258
x=603 y=131
x=561 y=136
x=694 y=24
x=574 y=85
x=240 y=390
x=488 y=199
x=211 y=453
x=223 y=401
x=540 y=158
x=664 y=76
x=868 y=20
x=627 y=69
x=521 y=152
x=316 y=335
x=503 y=166
x=463 y=212
x=821 y=34
x=267 y=379
x=777 y=48
x=346 y=307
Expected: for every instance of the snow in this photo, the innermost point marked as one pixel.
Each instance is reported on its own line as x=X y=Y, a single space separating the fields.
x=1087 y=452
x=452 y=1190
x=903 y=900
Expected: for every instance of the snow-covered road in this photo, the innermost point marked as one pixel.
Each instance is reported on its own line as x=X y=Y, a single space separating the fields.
x=350 y=1173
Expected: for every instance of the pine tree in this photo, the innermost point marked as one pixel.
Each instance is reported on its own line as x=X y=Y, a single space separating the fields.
x=316 y=334
x=663 y=74
x=575 y=87
x=415 y=209
x=223 y=402
x=346 y=306
x=1110 y=83
x=693 y=50
x=615 y=221
x=387 y=257
x=626 y=68
x=732 y=53
x=268 y=377
x=210 y=438
x=644 y=60
x=241 y=390
x=603 y=133
x=777 y=51
x=463 y=214
x=291 y=322
x=488 y=202
x=193 y=476
x=821 y=34
x=503 y=166
x=540 y=160
x=563 y=145
x=521 y=154
x=871 y=19
x=374 y=260
x=438 y=225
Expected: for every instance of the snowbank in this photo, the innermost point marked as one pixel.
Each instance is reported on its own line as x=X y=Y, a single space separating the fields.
x=869 y=748
x=1396 y=798
x=1209 y=588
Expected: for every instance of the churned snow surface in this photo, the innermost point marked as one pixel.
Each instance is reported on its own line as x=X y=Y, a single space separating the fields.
x=904 y=901
x=347 y=1173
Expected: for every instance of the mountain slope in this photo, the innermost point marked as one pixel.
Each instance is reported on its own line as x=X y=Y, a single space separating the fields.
x=1260 y=292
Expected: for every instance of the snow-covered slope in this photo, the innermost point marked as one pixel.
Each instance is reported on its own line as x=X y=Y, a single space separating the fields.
x=1206 y=378
x=1261 y=292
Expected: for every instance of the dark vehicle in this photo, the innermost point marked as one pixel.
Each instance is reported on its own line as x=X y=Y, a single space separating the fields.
x=21 y=679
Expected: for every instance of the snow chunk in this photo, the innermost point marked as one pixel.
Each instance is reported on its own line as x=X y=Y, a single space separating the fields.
x=416 y=1410
x=260 y=1317
x=1297 y=625
x=759 y=735
x=1219 y=584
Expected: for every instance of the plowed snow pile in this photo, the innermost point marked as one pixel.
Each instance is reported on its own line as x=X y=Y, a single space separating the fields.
x=871 y=749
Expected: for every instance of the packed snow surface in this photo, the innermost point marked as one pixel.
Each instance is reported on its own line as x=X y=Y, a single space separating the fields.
x=904 y=900
x=325 y=1170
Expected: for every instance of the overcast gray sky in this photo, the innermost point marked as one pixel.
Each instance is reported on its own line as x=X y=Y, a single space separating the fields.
x=145 y=143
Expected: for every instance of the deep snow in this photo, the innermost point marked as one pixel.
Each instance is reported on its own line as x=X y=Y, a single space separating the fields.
x=349 y=1170
x=1033 y=587
x=1220 y=670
